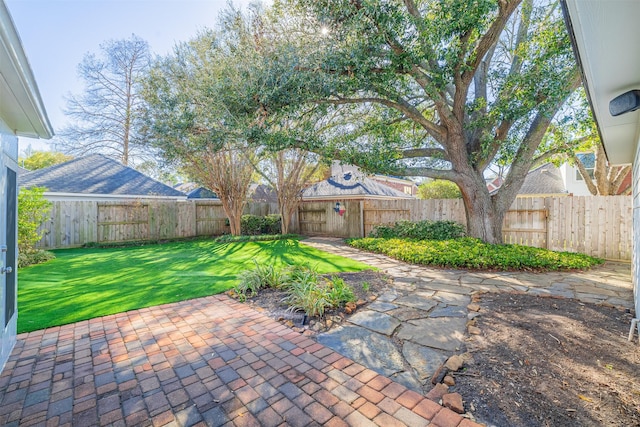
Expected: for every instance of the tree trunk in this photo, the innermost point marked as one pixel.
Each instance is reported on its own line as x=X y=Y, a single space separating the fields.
x=484 y=219
x=285 y=220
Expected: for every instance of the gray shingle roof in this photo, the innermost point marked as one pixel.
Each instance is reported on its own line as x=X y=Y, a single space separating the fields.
x=201 y=193
x=545 y=179
x=352 y=185
x=96 y=174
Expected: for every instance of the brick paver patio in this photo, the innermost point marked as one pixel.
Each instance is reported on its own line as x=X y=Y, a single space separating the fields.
x=210 y=361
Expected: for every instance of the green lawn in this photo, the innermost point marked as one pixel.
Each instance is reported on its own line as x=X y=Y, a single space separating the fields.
x=86 y=283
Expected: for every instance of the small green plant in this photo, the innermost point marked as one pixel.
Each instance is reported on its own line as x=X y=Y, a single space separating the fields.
x=308 y=297
x=314 y=296
x=421 y=230
x=262 y=277
x=338 y=292
x=26 y=259
x=366 y=286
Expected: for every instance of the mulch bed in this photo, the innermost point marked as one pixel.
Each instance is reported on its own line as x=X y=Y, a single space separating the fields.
x=366 y=285
x=551 y=362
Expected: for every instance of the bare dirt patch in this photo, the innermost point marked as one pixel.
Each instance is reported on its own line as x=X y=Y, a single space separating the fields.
x=551 y=362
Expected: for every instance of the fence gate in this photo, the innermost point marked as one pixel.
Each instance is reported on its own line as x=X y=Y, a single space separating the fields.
x=526 y=223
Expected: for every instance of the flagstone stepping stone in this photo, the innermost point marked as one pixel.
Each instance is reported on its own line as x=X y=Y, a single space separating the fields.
x=453 y=288
x=388 y=296
x=416 y=301
x=423 y=359
x=375 y=321
x=381 y=306
x=407 y=313
x=373 y=350
x=449 y=311
x=451 y=298
x=444 y=333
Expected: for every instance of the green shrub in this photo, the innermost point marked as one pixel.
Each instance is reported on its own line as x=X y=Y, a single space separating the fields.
x=473 y=253
x=36 y=256
x=33 y=210
x=252 y=225
x=421 y=230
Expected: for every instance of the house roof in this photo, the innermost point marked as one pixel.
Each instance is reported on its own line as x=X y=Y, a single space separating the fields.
x=350 y=185
x=264 y=193
x=545 y=179
x=96 y=174
x=201 y=193
x=21 y=106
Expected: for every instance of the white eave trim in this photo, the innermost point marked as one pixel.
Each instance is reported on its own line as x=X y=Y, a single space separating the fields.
x=22 y=83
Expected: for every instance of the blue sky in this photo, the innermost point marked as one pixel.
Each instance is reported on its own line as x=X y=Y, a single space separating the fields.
x=56 y=34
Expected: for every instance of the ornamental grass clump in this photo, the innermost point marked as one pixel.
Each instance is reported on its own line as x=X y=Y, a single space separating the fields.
x=315 y=296
x=262 y=277
x=473 y=253
x=305 y=289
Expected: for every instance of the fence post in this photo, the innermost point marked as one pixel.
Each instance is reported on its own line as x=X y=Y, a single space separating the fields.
x=362 y=218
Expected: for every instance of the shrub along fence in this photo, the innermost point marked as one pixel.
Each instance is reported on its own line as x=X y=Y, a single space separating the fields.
x=595 y=225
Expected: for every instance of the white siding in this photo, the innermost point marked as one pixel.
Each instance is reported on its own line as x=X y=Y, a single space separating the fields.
x=8 y=159
x=635 y=258
x=573 y=185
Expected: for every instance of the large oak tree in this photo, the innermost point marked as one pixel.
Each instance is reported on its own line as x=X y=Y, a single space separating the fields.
x=434 y=88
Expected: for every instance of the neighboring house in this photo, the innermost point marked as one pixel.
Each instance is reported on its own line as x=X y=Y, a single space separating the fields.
x=22 y=113
x=549 y=180
x=605 y=40
x=257 y=193
x=97 y=178
x=404 y=185
x=543 y=181
x=201 y=193
x=494 y=183
x=263 y=193
x=574 y=182
x=351 y=186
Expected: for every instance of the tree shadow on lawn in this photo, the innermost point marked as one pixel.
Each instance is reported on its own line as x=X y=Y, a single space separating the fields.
x=88 y=283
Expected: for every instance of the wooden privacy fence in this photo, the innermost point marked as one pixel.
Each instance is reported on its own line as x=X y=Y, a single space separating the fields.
x=595 y=225
x=74 y=223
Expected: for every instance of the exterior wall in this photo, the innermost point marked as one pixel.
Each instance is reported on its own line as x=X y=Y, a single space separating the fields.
x=573 y=185
x=635 y=258
x=8 y=281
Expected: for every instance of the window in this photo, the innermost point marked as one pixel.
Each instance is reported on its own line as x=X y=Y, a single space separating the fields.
x=589 y=162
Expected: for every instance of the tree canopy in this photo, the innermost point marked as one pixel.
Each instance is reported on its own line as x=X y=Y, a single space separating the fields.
x=439 y=89
x=106 y=116
x=42 y=159
x=439 y=189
